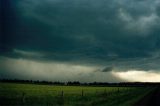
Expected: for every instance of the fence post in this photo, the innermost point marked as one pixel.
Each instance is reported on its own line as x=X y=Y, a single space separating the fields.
x=104 y=91
x=96 y=92
x=60 y=99
x=62 y=93
x=118 y=90
x=82 y=93
x=23 y=97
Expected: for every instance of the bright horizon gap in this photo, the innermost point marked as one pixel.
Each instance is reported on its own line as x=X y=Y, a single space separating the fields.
x=138 y=76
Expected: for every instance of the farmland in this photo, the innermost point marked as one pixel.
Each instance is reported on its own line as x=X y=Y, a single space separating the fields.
x=34 y=94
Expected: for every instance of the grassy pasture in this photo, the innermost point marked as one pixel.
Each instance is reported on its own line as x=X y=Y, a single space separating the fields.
x=31 y=94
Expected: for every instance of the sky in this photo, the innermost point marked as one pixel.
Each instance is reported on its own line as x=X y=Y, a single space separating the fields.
x=80 y=40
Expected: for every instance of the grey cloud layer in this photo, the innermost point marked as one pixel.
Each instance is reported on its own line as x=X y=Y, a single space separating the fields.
x=52 y=71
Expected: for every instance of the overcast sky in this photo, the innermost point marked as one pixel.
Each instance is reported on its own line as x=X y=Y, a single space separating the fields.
x=80 y=40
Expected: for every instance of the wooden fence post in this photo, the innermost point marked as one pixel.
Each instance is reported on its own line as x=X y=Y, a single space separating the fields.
x=96 y=92
x=82 y=93
x=118 y=90
x=62 y=93
x=104 y=91
x=23 y=98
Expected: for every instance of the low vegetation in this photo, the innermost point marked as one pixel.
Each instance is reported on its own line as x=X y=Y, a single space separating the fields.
x=44 y=95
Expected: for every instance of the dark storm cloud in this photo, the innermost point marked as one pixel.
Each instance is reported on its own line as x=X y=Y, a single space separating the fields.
x=99 y=32
x=107 y=69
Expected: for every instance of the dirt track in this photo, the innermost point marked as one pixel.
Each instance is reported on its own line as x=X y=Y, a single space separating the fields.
x=152 y=99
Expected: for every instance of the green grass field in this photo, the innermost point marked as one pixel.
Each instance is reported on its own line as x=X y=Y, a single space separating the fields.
x=44 y=95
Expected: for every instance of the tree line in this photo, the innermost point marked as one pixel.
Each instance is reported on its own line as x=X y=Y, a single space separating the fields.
x=77 y=83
